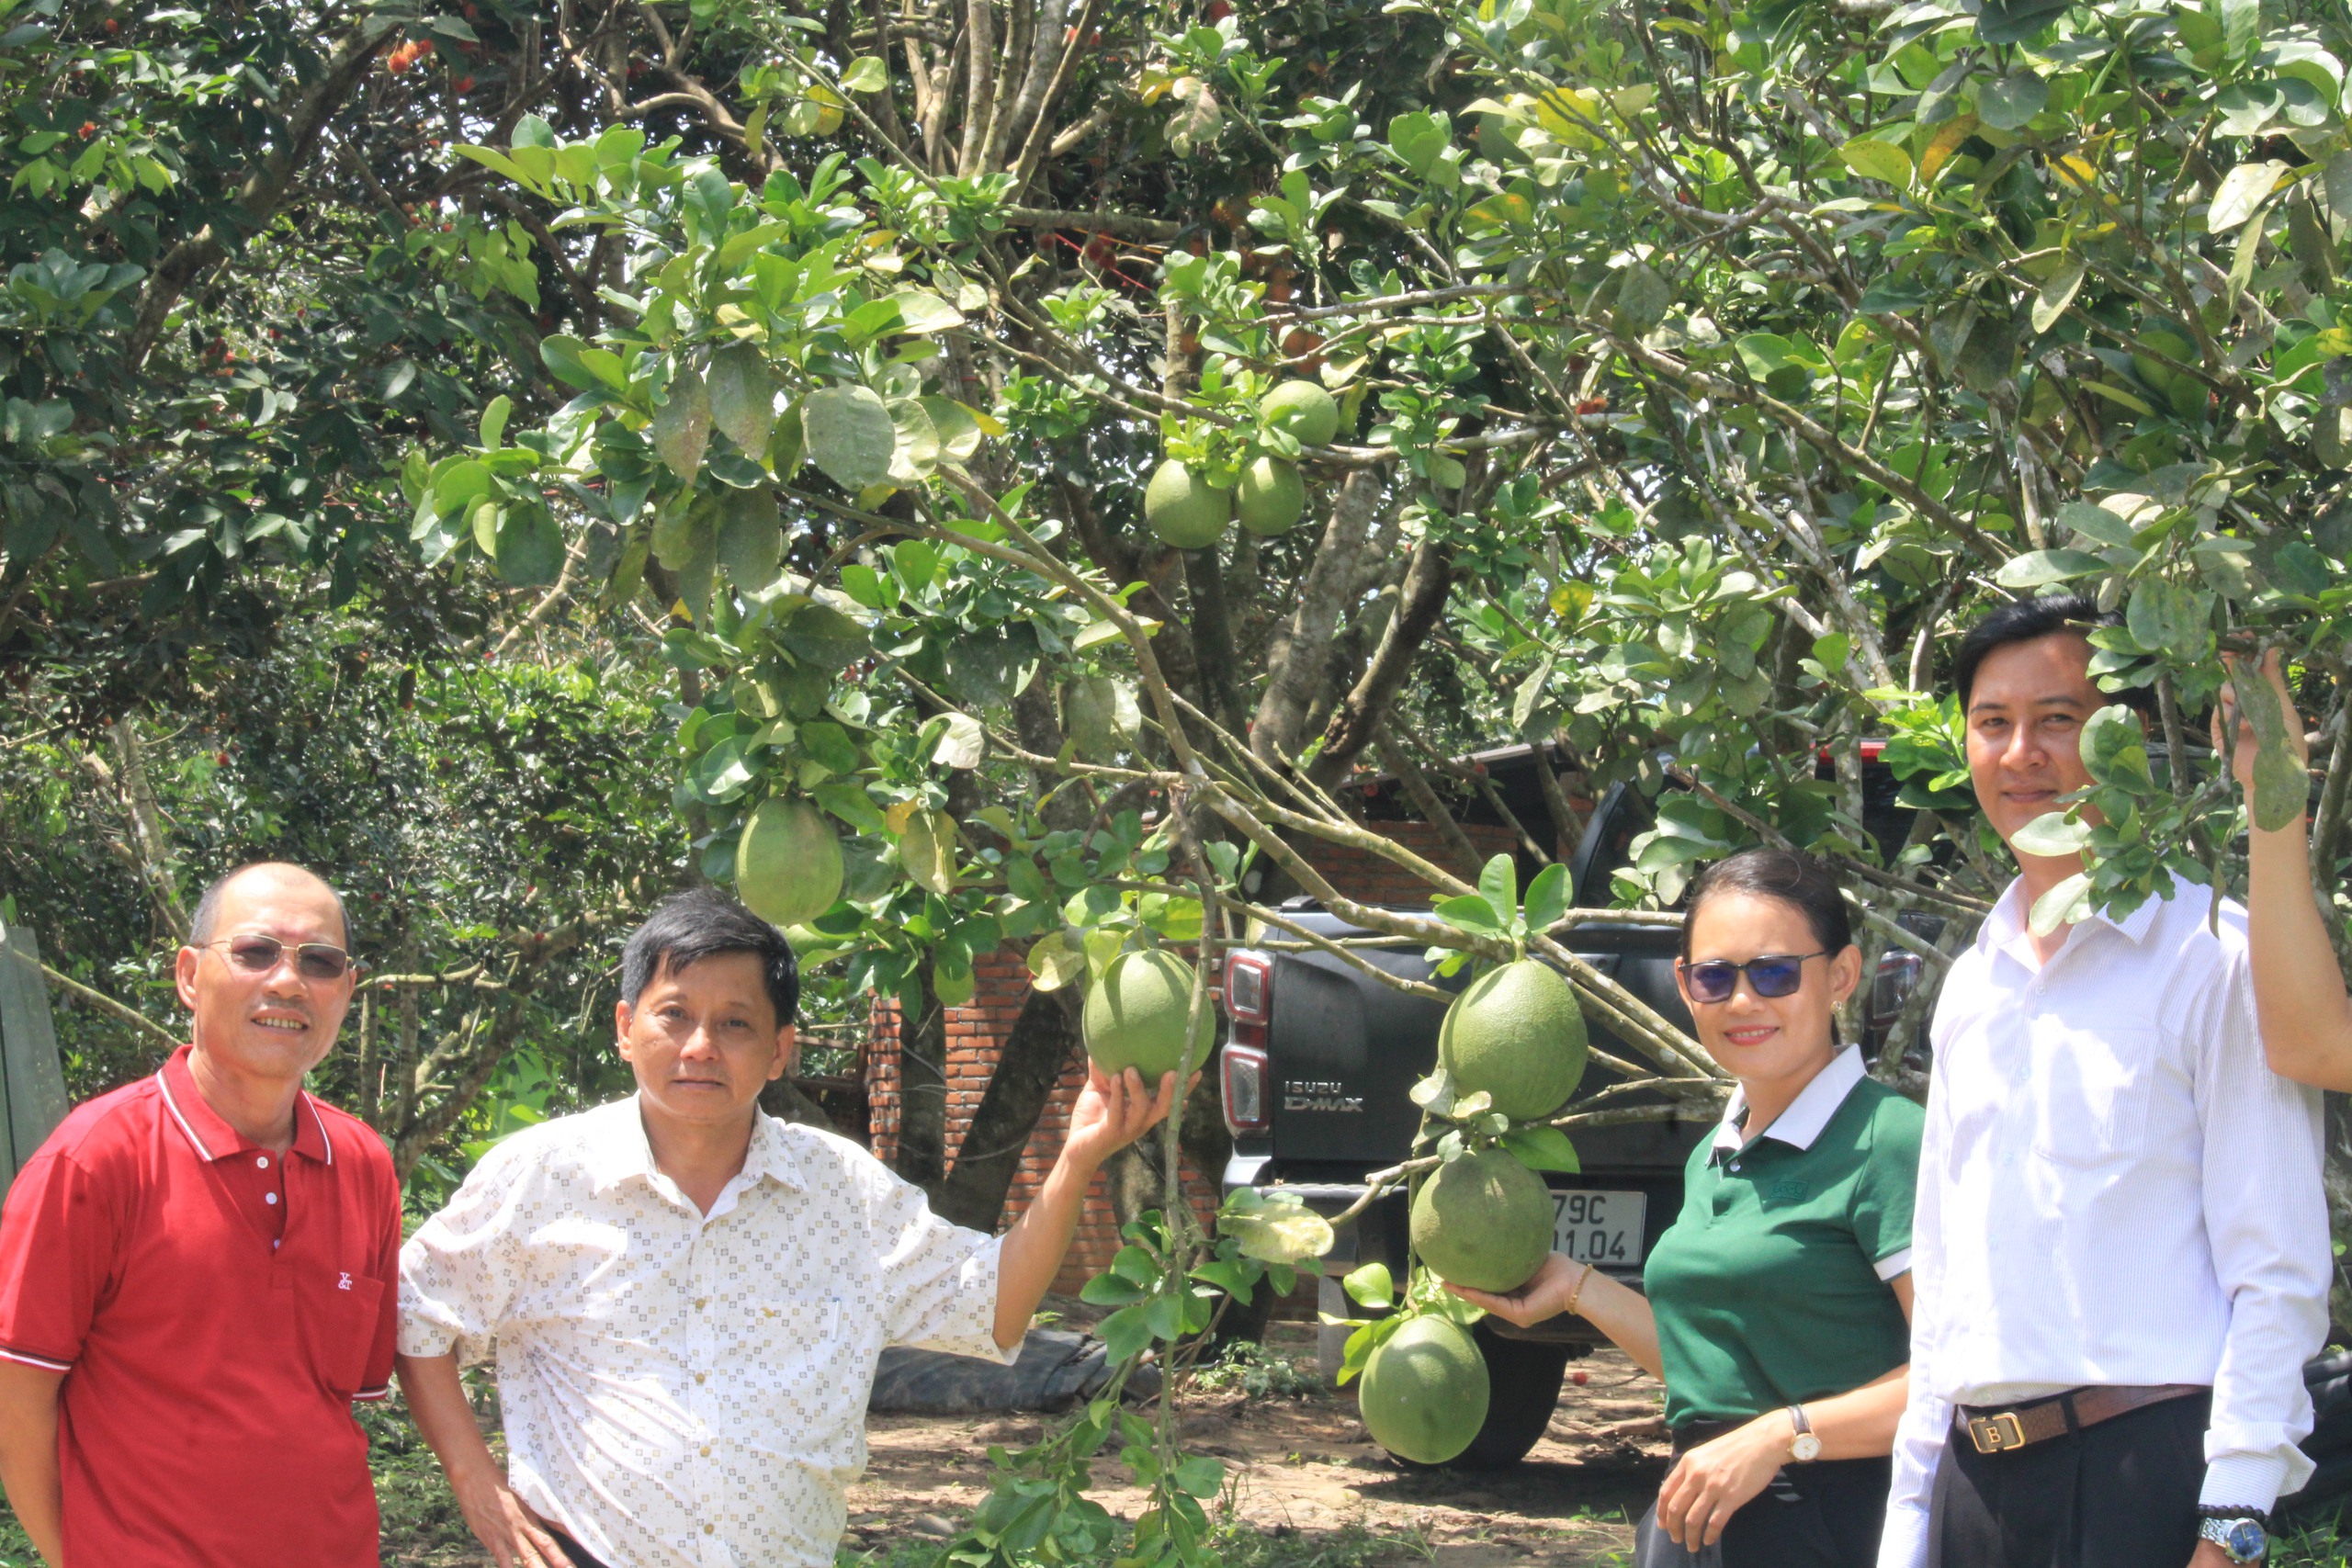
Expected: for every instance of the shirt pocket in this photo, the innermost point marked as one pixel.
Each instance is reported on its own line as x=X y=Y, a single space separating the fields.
x=340 y=1314
x=2092 y=1092
x=803 y=1347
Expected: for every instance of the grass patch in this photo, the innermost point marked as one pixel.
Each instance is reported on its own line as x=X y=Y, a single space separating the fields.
x=1261 y=1372
x=1238 y=1545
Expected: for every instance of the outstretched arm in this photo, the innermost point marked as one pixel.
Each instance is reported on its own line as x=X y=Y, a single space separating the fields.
x=1109 y=1115
x=2298 y=989
x=1620 y=1313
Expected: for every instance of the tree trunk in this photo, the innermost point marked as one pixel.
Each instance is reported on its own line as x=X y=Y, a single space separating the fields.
x=922 y=1092
x=1043 y=1040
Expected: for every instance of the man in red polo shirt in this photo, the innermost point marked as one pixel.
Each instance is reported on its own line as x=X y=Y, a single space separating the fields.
x=197 y=1275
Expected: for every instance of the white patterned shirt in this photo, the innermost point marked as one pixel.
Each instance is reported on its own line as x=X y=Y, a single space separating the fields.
x=685 y=1389
x=2114 y=1189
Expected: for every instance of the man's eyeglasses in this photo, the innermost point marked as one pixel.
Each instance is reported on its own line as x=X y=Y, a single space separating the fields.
x=1775 y=975
x=254 y=953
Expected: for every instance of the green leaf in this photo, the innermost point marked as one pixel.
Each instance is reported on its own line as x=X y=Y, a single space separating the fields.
x=2009 y=103
x=850 y=434
x=1126 y=1333
x=2064 y=905
x=921 y=312
x=1418 y=139
x=494 y=420
x=1547 y=897
x=742 y=396
x=866 y=74
x=2170 y=617
x=1543 y=1148
x=1370 y=1286
x=751 y=537
x=1108 y=1289
x=2040 y=567
x=1282 y=1232
x=2014 y=22
x=529 y=552
x=2057 y=292
x=2281 y=787
x=2053 y=834
x=1468 y=912
x=2242 y=191
x=2115 y=751
x=1498 y=885
x=1199 y=1476
x=1877 y=159
x=681 y=425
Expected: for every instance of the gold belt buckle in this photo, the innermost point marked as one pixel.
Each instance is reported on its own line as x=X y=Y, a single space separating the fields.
x=1992 y=1434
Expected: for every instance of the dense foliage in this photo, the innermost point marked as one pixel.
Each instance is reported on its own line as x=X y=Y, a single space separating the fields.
x=774 y=389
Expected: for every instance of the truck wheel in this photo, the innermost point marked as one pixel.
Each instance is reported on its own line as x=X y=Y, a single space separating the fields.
x=1523 y=1379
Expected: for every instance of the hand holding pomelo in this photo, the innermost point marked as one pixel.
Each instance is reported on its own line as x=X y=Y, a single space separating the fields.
x=1484 y=1221
x=1134 y=1016
x=1424 y=1391
x=1517 y=1034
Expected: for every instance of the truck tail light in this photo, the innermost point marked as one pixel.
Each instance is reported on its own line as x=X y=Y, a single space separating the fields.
x=1243 y=1080
x=1249 y=986
x=1242 y=1074
x=1898 y=976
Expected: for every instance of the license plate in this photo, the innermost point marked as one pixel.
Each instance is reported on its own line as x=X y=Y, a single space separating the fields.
x=1601 y=1228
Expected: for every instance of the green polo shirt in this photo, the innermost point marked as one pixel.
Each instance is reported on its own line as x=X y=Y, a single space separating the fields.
x=1770 y=1287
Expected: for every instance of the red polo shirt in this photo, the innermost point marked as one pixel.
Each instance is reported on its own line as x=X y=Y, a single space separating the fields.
x=214 y=1309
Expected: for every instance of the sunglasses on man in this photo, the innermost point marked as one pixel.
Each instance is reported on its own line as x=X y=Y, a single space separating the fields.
x=1774 y=975
x=254 y=953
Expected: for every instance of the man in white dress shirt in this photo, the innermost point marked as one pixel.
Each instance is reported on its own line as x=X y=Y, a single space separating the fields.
x=687 y=1296
x=2121 y=1250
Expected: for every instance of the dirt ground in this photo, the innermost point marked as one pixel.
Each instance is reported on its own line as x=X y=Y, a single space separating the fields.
x=1304 y=1466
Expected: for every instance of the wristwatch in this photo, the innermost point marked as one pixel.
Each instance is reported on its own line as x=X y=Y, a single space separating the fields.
x=2240 y=1533
x=1806 y=1447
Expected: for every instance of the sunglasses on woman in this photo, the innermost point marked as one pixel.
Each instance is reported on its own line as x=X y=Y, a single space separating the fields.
x=1775 y=975
x=254 y=953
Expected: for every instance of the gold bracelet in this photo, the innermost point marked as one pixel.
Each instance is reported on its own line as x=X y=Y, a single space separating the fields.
x=1578 y=1295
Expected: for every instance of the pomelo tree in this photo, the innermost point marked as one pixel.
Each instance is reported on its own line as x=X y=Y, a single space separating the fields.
x=1700 y=372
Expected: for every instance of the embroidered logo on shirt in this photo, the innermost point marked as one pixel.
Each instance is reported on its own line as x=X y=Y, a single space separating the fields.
x=1787 y=1191
x=343 y=1283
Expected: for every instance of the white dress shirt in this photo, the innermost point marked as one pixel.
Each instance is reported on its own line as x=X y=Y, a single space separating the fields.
x=685 y=1389
x=2114 y=1189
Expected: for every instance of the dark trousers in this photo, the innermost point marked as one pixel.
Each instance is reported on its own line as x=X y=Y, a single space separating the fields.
x=2119 y=1494
x=1828 y=1514
x=574 y=1550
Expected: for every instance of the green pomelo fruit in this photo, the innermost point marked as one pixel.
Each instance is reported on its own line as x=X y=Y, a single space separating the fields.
x=1423 y=1393
x=1516 y=1034
x=1484 y=1221
x=1304 y=410
x=2154 y=372
x=1134 y=1016
x=1272 y=498
x=788 y=862
x=1183 y=509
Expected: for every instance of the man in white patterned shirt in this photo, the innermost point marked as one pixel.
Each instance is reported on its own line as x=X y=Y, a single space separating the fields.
x=2120 y=1248
x=687 y=1297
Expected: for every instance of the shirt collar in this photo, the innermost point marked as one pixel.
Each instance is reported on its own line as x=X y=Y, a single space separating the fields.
x=213 y=1137
x=1807 y=1114
x=618 y=1150
x=2007 y=927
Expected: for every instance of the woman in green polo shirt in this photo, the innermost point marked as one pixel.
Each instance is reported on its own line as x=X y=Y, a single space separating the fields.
x=1776 y=1306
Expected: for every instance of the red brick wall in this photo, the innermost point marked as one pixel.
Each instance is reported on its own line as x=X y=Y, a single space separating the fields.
x=1362 y=875
x=976 y=1035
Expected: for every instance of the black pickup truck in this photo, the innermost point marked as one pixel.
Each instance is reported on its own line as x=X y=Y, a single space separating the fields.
x=1315 y=1073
